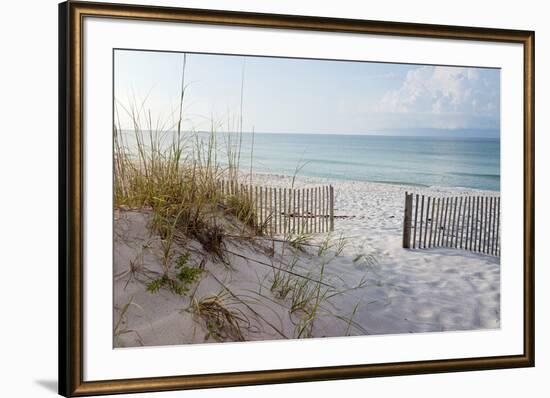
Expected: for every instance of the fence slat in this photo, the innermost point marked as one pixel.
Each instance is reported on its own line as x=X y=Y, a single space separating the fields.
x=463 y=221
x=270 y=212
x=303 y=212
x=458 y=221
x=452 y=216
x=440 y=221
x=498 y=229
x=262 y=213
x=316 y=209
x=434 y=242
x=495 y=209
x=489 y=224
x=431 y=223
x=314 y=228
x=323 y=209
x=327 y=211
x=426 y=225
x=473 y=242
x=326 y=219
x=488 y=228
x=421 y=221
x=455 y=223
x=302 y=193
x=331 y=191
x=481 y=223
x=275 y=212
x=478 y=224
x=319 y=209
x=448 y=221
x=310 y=214
x=444 y=212
x=415 y=220
x=290 y=211
x=255 y=206
x=493 y=223
x=407 y=213
x=278 y=210
x=311 y=203
x=292 y=200
x=327 y=208
x=298 y=212
x=467 y=221
x=494 y=212
x=450 y=228
x=306 y=212
x=285 y=212
x=486 y=223
x=473 y=224
x=313 y=210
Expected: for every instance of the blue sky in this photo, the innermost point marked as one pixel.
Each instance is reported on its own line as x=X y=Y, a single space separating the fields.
x=308 y=96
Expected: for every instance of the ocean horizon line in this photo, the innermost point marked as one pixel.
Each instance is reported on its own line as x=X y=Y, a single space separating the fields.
x=446 y=134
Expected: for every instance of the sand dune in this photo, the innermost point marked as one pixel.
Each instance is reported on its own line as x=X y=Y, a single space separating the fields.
x=379 y=287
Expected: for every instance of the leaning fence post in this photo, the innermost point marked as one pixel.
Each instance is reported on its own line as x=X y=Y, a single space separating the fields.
x=407 y=221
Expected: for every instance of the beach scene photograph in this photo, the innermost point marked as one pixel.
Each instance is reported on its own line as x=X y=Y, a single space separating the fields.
x=265 y=198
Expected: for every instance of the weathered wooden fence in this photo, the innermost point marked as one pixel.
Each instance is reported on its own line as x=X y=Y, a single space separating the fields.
x=287 y=210
x=462 y=222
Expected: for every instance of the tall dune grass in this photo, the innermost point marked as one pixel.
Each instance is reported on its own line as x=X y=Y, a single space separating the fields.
x=175 y=172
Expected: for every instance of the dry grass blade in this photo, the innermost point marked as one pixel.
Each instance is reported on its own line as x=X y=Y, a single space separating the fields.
x=221 y=320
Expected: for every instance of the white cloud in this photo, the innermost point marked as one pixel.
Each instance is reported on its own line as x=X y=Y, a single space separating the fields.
x=447 y=97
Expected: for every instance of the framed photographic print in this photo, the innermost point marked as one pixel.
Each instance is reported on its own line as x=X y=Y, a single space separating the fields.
x=251 y=198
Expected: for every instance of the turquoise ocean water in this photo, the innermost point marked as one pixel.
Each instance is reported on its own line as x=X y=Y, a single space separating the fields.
x=421 y=161
x=408 y=160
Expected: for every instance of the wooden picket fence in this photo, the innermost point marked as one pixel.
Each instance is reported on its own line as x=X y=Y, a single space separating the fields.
x=287 y=210
x=462 y=222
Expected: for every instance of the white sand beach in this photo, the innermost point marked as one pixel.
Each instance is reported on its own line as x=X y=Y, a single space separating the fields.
x=370 y=285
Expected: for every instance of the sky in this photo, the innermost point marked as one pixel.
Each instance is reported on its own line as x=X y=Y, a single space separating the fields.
x=286 y=95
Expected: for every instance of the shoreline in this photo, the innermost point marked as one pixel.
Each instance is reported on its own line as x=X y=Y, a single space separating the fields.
x=285 y=181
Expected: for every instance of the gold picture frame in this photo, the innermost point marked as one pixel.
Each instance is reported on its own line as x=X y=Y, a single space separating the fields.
x=71 y=239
